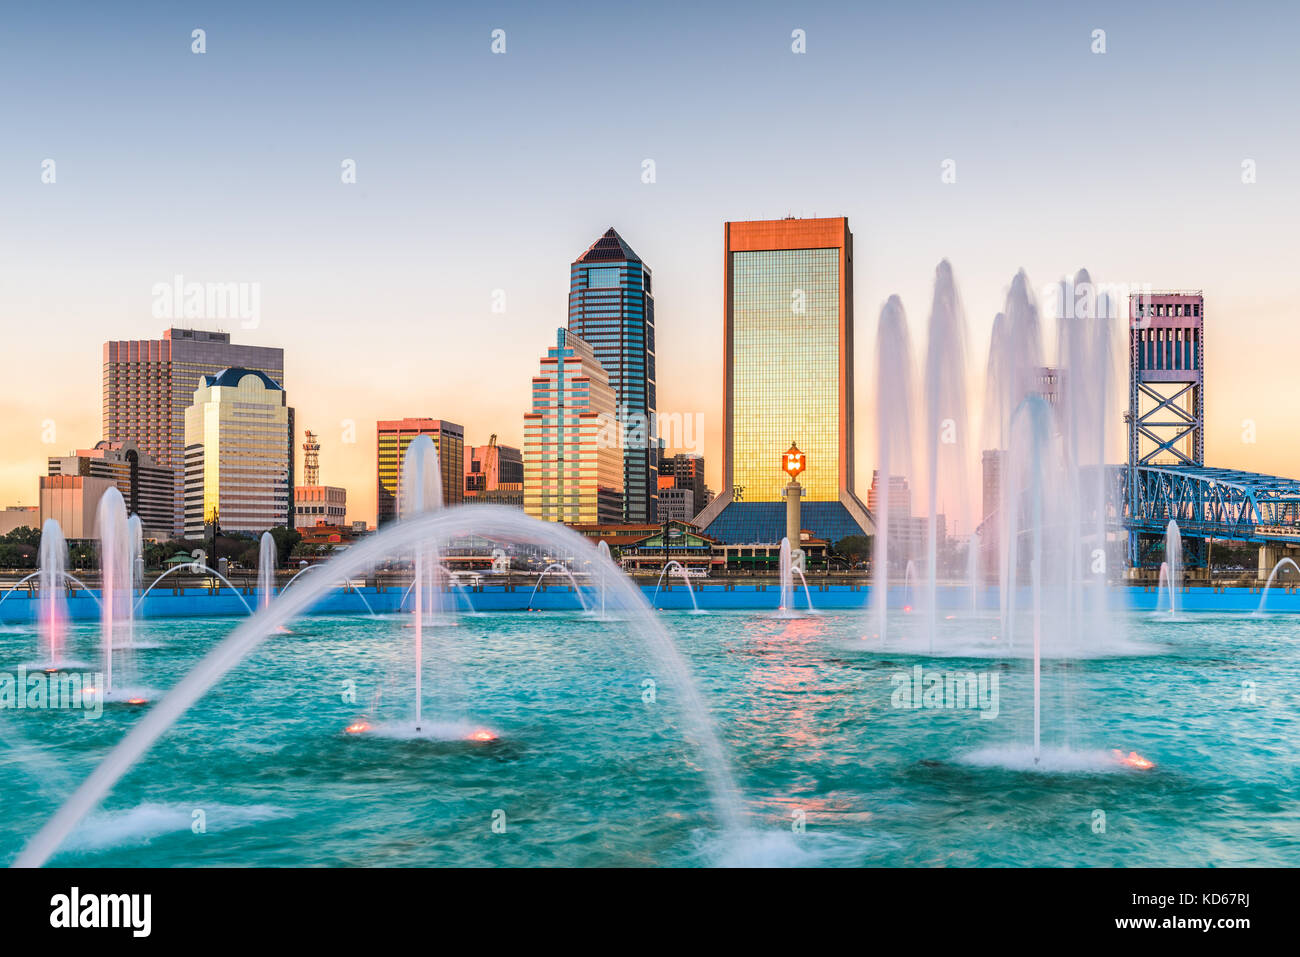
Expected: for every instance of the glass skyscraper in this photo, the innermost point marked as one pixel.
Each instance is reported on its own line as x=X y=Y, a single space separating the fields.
x=573 y=470
x=787 y=378
x=611 y=308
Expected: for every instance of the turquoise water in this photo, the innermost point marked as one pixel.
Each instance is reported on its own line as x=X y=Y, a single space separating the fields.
x=584 y=770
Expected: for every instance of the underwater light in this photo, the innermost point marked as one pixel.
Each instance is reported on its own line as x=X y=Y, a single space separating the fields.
x=1134 y=760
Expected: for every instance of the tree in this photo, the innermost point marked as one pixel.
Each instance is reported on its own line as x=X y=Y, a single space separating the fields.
x=285 y=540
x=856 y=548
x=24 y=535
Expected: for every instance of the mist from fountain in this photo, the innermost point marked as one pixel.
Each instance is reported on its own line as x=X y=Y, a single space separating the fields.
x=1173 y=565
x=602 y=549
x=266 y=554
x=135 y=534
x=117 y=613
x=422 y=531
x=52 y=618
x=946 y=401
x=420 y=493
x=893 y=441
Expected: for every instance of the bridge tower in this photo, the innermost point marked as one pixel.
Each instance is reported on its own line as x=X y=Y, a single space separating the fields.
x=1166 y=404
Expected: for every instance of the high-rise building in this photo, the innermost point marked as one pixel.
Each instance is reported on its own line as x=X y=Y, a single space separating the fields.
x=147 y=488
x=237 y=468
x=394 y=435
x=573 y=466
x=612 y=309
x=149 y=383
x=315 y=504
x=787 y=378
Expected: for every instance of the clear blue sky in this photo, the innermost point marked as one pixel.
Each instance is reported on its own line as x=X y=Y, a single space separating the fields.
x=479 y=172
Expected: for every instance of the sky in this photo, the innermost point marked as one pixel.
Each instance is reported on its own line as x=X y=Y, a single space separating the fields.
x=480 y=174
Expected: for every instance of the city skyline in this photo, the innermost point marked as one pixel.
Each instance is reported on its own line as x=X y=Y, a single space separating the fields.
x=1049 y=179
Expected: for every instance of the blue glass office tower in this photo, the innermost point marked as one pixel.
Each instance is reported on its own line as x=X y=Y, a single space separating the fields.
x=612 y=308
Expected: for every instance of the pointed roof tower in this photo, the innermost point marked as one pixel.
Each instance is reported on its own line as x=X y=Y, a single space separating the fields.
x=609 y=248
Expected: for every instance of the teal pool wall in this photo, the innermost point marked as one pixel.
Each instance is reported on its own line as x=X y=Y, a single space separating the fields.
x=20 y=607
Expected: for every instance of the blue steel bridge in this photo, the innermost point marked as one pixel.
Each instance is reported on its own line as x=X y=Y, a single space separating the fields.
x=1206 y=502
x=1166 y=477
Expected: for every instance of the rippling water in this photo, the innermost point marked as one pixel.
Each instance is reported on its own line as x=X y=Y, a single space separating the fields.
x=589 y=767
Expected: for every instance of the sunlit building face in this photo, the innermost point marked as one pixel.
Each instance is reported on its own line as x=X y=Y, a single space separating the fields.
x=789 y=341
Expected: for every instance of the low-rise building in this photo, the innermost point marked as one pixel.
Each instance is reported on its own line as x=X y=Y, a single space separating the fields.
x=73 y=502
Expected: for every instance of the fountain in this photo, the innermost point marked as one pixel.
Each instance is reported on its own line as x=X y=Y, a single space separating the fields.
x=602 y=550
x=53 y=615
x=946 y=401
x=192 y=567
x=420 y=493
x=1173 y=565
x=672 y=566
x=1263 y=598
x=561 y=567
x=787 y=570
x=117 y=630
x=135 y=534
x=266 y=555
x=422 y=531
x=893 y=440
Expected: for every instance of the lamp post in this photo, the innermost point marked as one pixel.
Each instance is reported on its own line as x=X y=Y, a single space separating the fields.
x=794 y=462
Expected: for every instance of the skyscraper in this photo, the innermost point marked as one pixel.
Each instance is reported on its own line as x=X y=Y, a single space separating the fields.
x=787 y=377
x=394 y=435
x=149 y=383
x=612 y=309
x=237 y=454
x=573 y=468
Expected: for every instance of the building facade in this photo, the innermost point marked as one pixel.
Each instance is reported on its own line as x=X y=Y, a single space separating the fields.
x=494 y=475
x=573 y=466
x=237 y=454
x=686 y=470
x=676 y=504
x=149 y=383
x=314 y=503
x=787 y=377
x=611 y=308
x=147 y=488
x=319 y=504
x=73 y=502
x=394 y=436
x=14 y=517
